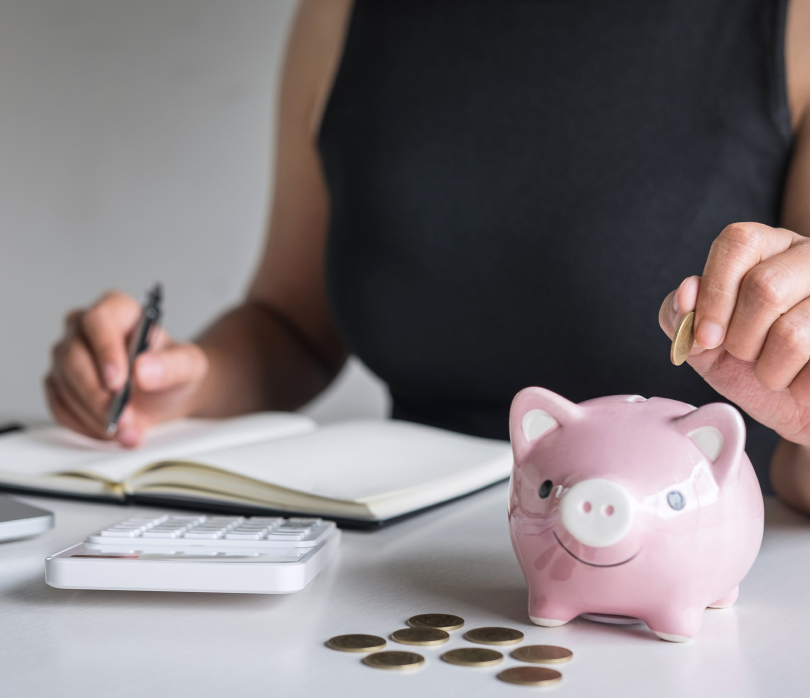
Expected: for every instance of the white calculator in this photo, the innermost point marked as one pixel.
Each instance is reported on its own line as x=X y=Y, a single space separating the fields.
x=228 y=554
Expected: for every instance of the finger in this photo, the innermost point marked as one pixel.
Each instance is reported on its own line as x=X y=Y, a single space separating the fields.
x=128 y=434
x=172 y=367
x=677 y=304
x=767 y=292
x=800 y=387
x=106 y=327
x=76 y=369
x=65 y=410
x=786 y=351
x=737 y=250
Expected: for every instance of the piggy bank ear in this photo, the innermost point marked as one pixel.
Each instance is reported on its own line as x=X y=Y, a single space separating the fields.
x=718 y=431
x=534 y=413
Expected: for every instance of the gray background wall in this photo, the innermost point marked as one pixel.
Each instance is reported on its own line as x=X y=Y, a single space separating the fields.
x=136 y=145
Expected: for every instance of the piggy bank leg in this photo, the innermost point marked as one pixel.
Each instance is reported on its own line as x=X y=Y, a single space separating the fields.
x=727 y=600
x=675 y=624
x=548 y=613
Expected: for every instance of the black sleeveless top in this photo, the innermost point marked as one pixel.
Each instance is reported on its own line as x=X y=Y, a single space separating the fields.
x=516 y=185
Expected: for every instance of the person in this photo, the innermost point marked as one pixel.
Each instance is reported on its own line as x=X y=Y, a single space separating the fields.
x=477 y=196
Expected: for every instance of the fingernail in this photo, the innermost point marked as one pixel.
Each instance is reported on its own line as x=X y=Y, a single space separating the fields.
x=129 y=437
x=150 y=372
x=709 y=334
x=675 y=305
x=111 y=376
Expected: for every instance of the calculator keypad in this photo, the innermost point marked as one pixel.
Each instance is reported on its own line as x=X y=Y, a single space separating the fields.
x=225 y=530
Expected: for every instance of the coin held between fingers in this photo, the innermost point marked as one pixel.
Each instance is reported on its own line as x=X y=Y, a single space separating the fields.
x=683 y=340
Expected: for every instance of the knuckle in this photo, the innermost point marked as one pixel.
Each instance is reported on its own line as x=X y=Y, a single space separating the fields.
x=766 y=287
x=791 y=337
x=112 y=295
x=741 y=235
x=72 y=317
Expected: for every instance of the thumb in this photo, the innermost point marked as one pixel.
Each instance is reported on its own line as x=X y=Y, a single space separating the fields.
x=171 y=367
x=681 y=301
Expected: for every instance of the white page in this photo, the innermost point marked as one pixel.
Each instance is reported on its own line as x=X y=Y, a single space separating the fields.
x=55 y=449
x=359 y=459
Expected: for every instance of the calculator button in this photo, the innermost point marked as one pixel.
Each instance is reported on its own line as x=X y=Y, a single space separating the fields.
x=245 y=535
x=211 y=535
x=303 y=522
x=154 y=533
x=117 y=533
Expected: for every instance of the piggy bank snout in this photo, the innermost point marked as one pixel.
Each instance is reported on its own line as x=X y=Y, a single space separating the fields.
x=597 y=512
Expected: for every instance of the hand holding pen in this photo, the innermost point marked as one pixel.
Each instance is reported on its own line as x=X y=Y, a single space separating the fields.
x=103 y=352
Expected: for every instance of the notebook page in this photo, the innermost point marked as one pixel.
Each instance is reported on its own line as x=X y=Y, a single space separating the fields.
x=50 y=450
x=359 y=459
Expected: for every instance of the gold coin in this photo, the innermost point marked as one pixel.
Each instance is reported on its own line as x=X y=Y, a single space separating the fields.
x=394 y=660
x=542 y=654
x=440 y=621
x=530 y=676
x=356 y=643
x=494 y=636
x=472 y=656
x=683 y=340
x=420 y=636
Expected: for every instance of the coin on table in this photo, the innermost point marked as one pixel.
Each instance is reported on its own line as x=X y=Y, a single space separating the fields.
x=440 y=621
x=420 y=636
x=356 y=643
x=494 y=636
x=530 y=676
x=542 y=654
x=394 y=660
x=683 y=340
x=472 y=656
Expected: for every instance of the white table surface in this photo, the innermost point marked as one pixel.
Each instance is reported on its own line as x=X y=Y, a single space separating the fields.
x=456 y=559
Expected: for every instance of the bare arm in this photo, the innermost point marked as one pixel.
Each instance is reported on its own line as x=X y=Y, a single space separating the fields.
x=752 y=304
x=281 y=348
x=276 y=350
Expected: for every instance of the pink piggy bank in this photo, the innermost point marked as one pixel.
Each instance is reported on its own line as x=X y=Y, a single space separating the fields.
x=631 y=507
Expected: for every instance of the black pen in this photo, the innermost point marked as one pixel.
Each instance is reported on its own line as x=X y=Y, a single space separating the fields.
x=140 y=343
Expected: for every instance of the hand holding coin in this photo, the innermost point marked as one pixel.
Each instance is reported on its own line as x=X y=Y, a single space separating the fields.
x=751 y=325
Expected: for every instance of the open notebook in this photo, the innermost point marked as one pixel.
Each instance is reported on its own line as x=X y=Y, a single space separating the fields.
x=361 y=472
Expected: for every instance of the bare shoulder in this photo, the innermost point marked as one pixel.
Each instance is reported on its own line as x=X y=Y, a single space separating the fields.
x=313 y=54
x=796 y=202
x=797 y=60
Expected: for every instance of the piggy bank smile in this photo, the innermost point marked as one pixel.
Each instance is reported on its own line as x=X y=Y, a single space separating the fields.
x=631 y=507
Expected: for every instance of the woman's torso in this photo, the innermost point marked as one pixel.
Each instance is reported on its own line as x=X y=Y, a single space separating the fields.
x=515 y=187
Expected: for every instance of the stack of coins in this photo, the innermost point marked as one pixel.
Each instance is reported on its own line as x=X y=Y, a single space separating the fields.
x=430 y=629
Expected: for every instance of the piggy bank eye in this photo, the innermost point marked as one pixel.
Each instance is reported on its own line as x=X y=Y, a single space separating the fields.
x=676 y=500
x=545 y=489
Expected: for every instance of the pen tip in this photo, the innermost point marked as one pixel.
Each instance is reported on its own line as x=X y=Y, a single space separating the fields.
x=112 y=427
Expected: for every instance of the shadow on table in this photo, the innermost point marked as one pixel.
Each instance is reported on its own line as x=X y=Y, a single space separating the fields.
x=36 y=592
